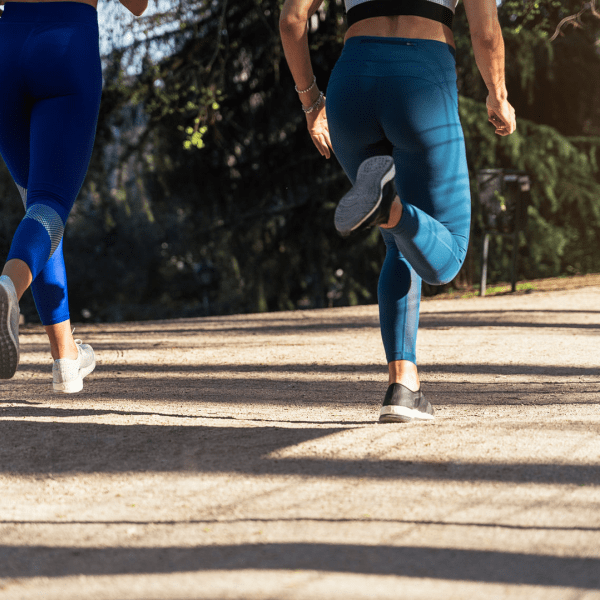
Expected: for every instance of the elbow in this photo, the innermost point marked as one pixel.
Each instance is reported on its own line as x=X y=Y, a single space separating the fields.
x=291 y=23
x=488 y=36
x=141 y=8
x=284 y=25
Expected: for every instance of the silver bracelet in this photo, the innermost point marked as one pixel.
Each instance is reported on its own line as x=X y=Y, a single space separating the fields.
x=314 y=106
x=312 y=85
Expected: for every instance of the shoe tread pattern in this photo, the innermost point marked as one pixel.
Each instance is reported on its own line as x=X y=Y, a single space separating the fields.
x=9 y=332
x=364 y=197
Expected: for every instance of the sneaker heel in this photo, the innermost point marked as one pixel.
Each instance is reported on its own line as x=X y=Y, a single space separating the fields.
x=69 y=387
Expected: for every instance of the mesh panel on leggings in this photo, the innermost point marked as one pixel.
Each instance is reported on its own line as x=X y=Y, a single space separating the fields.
x=23 y=193
x=49 y=219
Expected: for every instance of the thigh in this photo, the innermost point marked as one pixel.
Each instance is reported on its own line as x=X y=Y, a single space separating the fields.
x=15 y=108
x=62 y=132
x=420 y=118
x=15 y=117
x=65 y=89
x=353 y=121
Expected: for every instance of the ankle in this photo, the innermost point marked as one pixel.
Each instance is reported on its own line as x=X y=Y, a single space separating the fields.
x=395 y=214
x=405 y=373
x=62 y=344
x=411 y=384
x=69 y=351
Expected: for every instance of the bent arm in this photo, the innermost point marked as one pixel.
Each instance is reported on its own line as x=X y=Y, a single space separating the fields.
x=137 y=7
x=488 y=47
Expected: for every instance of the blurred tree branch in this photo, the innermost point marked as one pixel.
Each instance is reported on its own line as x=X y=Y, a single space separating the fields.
x=575 y=20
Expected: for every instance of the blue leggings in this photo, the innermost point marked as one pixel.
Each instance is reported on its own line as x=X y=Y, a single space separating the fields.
x=398 y=97
x=51 y=82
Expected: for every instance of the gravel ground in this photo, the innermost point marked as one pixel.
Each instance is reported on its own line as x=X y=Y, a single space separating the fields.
x=239 y=457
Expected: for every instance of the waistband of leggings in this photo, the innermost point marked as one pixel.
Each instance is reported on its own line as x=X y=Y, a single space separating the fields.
x=50 y=12
x=356 y=41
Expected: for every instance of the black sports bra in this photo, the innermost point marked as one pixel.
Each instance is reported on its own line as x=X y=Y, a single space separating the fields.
x=436 y=10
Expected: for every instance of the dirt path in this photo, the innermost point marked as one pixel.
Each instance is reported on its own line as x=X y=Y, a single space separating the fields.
x=239 y=457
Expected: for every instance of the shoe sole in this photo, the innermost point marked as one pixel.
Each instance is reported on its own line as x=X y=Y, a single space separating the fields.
x=402 y=414
x=362 y=201
x=9 y=346
x=75 y=385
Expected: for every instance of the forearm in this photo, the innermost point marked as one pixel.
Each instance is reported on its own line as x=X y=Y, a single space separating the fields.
x=294 y=38
x=488 y=48
x=293 y=26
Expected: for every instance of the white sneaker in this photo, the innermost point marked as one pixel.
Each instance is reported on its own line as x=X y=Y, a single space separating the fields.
x=68 y=374
x=9 y=328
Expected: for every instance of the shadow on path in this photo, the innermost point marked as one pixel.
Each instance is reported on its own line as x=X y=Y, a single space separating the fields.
x=438 y=563
x=139 y=390
x=100 y=448
x=326 y=322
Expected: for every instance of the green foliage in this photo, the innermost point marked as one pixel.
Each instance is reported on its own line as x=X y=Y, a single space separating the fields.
x=553 y=83
x=564 y=216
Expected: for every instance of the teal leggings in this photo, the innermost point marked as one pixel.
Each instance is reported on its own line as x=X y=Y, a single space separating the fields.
x=398 y=97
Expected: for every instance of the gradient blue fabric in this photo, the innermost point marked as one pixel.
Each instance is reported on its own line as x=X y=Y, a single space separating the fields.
x=51 y=83
x=398 y=97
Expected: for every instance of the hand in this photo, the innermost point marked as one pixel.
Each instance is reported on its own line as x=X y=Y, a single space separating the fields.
x=316 y=121
x=501 y=115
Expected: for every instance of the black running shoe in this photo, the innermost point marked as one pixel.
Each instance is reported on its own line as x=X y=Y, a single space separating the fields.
x=369 y=201
x=402 y=405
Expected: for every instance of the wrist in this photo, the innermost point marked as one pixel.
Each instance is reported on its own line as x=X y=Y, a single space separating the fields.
x=318 y=104
x=497 y=94
x=310 y=98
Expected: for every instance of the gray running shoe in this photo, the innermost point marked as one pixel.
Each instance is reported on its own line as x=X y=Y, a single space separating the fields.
x=9 y=328
x=402 y=405
x=369 y=201
x=67 y=374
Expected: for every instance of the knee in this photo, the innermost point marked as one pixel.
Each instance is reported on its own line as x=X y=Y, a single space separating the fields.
x=436 y=279
x=444 y=275
x=60 y=202
x=50 y=220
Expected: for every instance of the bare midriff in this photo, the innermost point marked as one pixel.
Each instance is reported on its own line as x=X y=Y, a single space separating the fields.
x=402 y=26
x=93 y=3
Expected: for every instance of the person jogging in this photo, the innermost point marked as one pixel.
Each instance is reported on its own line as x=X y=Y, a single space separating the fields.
x=392 y=121
x=51 y=82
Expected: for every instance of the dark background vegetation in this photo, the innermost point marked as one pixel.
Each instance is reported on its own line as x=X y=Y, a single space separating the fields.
x=205 y=194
